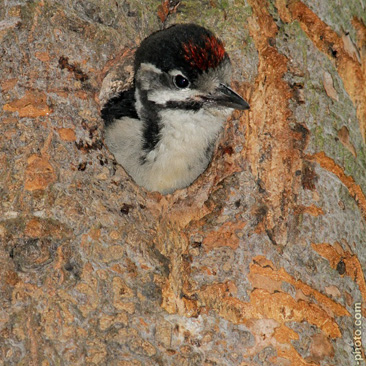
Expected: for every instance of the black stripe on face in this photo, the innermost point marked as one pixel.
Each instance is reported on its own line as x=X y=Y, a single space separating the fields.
x=184 y=105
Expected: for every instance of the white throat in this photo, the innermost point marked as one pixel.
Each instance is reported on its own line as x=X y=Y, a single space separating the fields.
x=184 y=149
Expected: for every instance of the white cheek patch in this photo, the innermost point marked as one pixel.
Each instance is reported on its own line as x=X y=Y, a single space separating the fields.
x=138 y=104
x=146 y=75
x=163 y=96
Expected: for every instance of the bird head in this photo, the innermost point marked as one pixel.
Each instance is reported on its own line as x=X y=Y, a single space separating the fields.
x=185 y=67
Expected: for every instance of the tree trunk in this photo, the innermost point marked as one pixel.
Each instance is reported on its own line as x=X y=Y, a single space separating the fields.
x=258 y=262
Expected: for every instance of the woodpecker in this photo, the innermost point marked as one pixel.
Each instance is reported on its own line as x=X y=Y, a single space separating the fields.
x=163 y=130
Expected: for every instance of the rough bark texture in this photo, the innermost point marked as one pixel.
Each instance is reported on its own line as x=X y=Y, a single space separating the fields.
x=259 y=262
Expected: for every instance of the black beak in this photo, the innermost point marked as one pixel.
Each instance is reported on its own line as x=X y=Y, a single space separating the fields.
x=226 y=97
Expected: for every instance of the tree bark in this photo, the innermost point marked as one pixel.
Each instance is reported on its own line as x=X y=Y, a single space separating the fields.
x=259 y=262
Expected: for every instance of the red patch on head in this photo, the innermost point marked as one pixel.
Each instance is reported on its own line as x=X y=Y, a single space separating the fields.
x=203 y=57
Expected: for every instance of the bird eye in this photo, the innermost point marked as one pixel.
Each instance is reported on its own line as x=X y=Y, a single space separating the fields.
x=181 y=82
